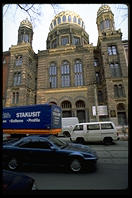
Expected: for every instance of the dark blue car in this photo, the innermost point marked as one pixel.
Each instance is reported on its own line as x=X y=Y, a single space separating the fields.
x=50 y=151
x=14 y=183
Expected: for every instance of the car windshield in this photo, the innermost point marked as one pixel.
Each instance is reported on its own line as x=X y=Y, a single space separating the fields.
x=57 y=142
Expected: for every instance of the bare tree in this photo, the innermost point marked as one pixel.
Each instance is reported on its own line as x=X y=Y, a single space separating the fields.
x=32 y=10
x=124 y=8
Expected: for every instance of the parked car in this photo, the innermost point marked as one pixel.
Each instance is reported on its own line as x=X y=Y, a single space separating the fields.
x=49 y=151
x=13 y=182
x=95 y=132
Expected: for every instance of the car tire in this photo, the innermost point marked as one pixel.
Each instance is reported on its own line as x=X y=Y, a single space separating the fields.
x=75 y=165
x=107 y=141
x=80 y=140
x=66 y=134
x=13 y=164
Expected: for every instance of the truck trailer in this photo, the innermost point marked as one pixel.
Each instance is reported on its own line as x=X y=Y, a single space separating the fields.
x=32 y=119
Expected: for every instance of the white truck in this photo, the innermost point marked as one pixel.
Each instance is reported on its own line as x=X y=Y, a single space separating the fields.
x=68 y=125
x=94 y=132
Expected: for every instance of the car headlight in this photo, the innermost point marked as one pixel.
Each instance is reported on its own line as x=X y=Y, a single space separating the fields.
x=34 y=187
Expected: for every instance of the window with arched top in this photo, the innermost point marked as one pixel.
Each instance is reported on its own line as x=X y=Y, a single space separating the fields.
x=65 y=74
x=59 y=20
x=121 y=114
x=79 y=21
x=53 y=75
x=64 y=18
x=119 y=91
x=19 y=60
x=78 y=73
x=80 y=104
x=115 y=70
x=74 y=19
x=66 y=105
x=54 y=22
x=69 y=18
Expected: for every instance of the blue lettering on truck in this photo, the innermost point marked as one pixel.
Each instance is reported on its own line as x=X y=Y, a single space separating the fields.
x=43 y=116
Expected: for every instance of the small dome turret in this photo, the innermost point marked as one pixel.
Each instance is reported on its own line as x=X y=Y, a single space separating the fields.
x=25 y=32
x=105 y=20
x=103 y=9
x=26 y=23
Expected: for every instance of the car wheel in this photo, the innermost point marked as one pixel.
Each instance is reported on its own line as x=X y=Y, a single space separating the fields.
x=13 y=164
x=66 y=134
x=80 y=140
x=107 y=141
x=75 y=165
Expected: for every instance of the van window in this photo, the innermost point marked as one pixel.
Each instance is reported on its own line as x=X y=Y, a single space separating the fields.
x=78 y=128
x=93 y=127
x=106 y=126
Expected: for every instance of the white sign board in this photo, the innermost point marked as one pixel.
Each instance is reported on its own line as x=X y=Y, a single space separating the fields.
x=102 y=110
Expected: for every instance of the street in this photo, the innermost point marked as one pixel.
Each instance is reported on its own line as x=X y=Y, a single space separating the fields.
x=111 y=173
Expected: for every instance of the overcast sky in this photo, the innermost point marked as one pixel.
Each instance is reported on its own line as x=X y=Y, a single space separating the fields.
x=88 y=13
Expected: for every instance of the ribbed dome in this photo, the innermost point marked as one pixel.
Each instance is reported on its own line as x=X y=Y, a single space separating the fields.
x=102 y=9
x=66 y=17
x=26 y=23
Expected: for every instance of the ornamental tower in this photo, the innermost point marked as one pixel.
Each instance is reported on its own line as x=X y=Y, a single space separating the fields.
x=22 y=69
x=105 y=20
x=113 y=66
x=25 y=32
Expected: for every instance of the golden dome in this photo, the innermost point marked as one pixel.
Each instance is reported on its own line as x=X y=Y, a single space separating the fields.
x=26 y=23
x=103 y=9
x=66 y=17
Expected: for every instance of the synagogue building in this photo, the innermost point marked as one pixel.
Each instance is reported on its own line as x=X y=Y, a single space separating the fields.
x=90 y=82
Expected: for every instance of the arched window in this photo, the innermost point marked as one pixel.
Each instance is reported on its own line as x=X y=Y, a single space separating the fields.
x=66 y=109
x=78 y=73
x=115 y=70
x=107 y=23
x=54 y=43
x=18 y=60
x=59 y=20
x=65 y=74
x=69 y=18
x=15 y=97
x=64 y=18
x=79 y=21
x=66 y=104
x=80 y=104
x=119 y=91
x=74 y=19
x=54 y=22
x=122 y=119
x=52 y=75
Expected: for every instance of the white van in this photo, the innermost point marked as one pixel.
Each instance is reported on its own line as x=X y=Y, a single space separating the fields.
x=68 y=125
x=94 y=132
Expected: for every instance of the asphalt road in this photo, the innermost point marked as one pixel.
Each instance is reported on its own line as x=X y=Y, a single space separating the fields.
x=111 y=173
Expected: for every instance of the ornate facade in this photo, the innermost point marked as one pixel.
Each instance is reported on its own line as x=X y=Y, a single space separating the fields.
x=71 y=72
